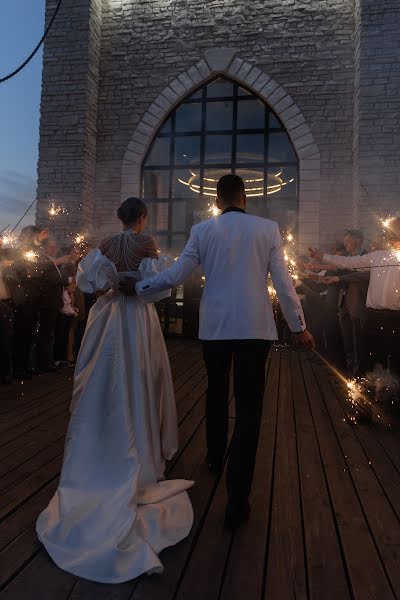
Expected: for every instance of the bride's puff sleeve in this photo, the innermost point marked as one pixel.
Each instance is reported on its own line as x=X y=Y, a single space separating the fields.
x=96 y=273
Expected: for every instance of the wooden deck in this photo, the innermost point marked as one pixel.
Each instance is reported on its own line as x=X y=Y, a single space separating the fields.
x=325 y=520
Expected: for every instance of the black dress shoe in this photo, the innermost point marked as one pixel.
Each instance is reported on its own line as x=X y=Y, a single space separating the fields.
x=235 y=514
x=216 y=465
x=22 y=375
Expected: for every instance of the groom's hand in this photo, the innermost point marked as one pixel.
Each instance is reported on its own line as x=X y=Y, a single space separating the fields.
x=305 y=339
x=127 y=286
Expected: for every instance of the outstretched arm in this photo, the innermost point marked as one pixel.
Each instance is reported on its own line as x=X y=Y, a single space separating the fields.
x=352 y=262
x=282 y=281
x=175 y=275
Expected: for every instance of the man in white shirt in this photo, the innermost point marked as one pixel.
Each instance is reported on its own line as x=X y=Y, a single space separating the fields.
x=381 y=334
x=236 y=251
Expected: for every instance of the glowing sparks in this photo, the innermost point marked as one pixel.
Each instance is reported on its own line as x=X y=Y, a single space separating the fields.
x=289 y=237
x=79 y=239
x=55 y=210
x=386 y=222
x=31 y=256
x=9 y=239
x=214 y=210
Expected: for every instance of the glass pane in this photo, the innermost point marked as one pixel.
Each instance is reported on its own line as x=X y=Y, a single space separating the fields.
x=282 y=196
x=179 y=216
x=186 y=183
x=253 y=181
x=156 y=184
x=282 y=180
x=280 y=149
x=159 y=154
x=160 y=219
x=243 y=92
x=210 y=180
x=198 y=94
x=273 y=122
x=220 y=88
x=167 y=127
x=188 y=117
x=218 y=149
x=187 y=150
x=219 y=116
x=178 y=243
x=250 y=148
x=251 y=115
x=162 y=242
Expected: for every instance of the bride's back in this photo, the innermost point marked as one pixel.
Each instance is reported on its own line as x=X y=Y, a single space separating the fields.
x=127 y=249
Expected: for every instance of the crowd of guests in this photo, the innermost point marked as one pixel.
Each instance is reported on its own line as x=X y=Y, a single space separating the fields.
x=351 y=299
x=42 y=312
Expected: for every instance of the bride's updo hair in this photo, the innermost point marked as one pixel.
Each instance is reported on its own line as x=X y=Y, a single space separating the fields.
x=131 y=210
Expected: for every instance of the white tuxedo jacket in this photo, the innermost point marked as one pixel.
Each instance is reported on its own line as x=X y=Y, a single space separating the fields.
x=236 y=251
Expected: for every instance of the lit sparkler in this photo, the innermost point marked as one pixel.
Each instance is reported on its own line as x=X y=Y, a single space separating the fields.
x=79 y=239
x=9 y=239
x=214 y=210
x=387 y=221
x=31 y=256
x=55 y=210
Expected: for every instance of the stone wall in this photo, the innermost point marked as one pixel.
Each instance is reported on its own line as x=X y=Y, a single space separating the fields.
x=108 y=60
x=306 y=46
x=378 y=108
x=68 y=115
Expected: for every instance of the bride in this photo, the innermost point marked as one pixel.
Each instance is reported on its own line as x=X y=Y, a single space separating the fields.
x=113 y=511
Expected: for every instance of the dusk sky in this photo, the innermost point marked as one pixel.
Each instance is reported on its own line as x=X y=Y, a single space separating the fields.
x=21 y=26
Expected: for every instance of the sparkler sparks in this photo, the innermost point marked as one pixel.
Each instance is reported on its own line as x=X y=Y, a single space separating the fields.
x=31 y=256
x=9 y=239
x=79 y=239
x=387 y=221
x=55 y=210
x=214 y=210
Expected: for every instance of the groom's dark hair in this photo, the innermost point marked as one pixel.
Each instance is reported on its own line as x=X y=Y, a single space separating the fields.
x=229 y=186
x=131 y=210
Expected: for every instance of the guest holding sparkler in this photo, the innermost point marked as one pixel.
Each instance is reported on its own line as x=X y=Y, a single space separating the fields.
x=37 y=283
x=382 y=327
x=353 y=288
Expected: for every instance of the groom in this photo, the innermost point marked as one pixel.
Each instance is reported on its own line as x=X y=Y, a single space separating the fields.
x=236 y=251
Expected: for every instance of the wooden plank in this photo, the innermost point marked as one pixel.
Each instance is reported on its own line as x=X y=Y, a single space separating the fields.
x=245 y=569
x=20 y=431
x=29 y=451
x=34 y=436
x=379 y=513
x=16 y=496
x=23 y=394
x=325 y=566
x=40 y=579
x=39 y=460
x=366 y=573
x=286 y=572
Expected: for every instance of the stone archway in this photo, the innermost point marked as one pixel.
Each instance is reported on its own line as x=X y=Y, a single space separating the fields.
x=222 y=61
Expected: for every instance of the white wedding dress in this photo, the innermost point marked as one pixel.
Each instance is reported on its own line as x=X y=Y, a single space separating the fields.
x=113 y=512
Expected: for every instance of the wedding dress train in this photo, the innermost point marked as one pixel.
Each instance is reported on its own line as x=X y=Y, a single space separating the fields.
x=113 y=512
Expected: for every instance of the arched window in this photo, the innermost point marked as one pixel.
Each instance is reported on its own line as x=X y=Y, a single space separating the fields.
x=221 y=128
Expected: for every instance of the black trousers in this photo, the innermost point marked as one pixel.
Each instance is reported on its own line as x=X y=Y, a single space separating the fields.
x=381 y=340
x=63 y=325
x=249 y=357
x=6 y=337
x=27 y=317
